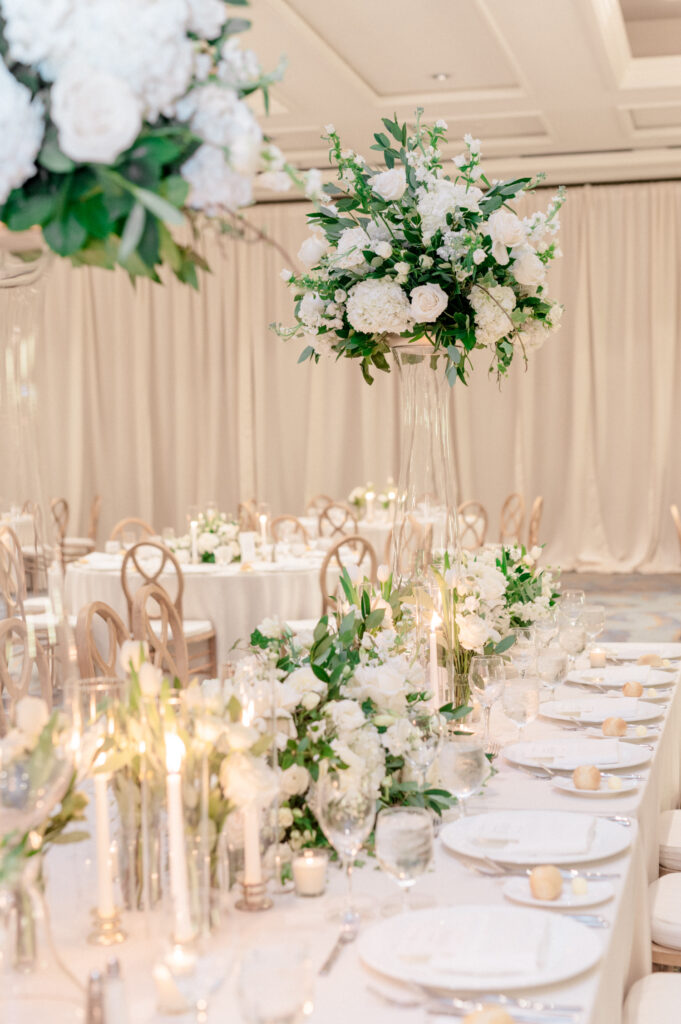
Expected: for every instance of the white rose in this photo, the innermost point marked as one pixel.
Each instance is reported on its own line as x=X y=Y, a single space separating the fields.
x=285 y=817
x=31 y=715
x=311 y=310
x=294 y=780
x=390 y=185
x=312 y=250
x=399 y=737
x=150 y=677
x=208 y=542
x=474 y=632
x=130 y=655
x=383 y=249
x=427 y=302
x=97 y=114
x=346 y=715
x=21 y=132
x=527 y=268
x=506 y=230
x=310 y=701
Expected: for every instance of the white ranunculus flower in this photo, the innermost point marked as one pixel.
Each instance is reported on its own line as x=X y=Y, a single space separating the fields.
x=97 y=114
x=378 y=305
x=294 y=780
x=31 y=715
x=346 y=715
x=150 y=677
x=213 y=184
x=527 y=268
x=21 y=133
x=130 y=655
x=427 y=302
x=390 y=185
x=506 y=231
x=247 y=780
x=312 y=250
x=349 y=253
x=207 y=543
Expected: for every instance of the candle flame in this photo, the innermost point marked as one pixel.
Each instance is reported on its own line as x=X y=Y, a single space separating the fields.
x=263 y=519
x=174 y=752
x=435 y=621
x=248 y=714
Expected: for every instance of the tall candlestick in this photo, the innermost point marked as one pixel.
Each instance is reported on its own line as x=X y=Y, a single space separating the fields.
x=194 y=536
x=250 y=816
x=434 y=681
x=177 y=854
x=263 y=529
x=105 y=897
x=370 y=498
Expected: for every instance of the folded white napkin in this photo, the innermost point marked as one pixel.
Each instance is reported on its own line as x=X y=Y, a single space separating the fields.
x=563 y=753
x=587 y=709
x=533 y=837
x=481 y=948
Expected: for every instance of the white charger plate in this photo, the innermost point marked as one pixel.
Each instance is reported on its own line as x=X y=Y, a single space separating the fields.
x=568 y=786
x=632 y=652
x=612 y=707
x=629 y=737
x=518 y=891
x=609 y=839
x=615 y=678
x=522 y=754
x=395 y=948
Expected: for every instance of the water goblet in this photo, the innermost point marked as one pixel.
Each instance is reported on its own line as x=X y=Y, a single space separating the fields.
x=552 y=665
x=404 y=845
x=572 y=638
x=545 y=630
x=276 y=983
x=523 y=652
x=593 y=620
x=463 y=766
x=486 y=676
x=521 y=701
x=198 y=972
x=570 y=604
x=421 y=752
x=346 y=809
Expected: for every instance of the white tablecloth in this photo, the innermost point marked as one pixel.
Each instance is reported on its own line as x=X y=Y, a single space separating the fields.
x=234 y=600
x=343 y=996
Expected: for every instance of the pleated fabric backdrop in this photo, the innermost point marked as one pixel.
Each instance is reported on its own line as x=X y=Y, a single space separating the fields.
x=159 y=397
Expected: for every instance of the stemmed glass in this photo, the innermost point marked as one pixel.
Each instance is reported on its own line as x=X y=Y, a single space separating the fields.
x=545 y=631
x=521 y=701
x=593 y=620
x=572 y=638
x=523 y=652
x=486 y=676
x=421 y=754
x=198 y=973
x=404 y=845
x=346 y=809
x=552 y=666
x=276 y=984
x=463 y=766
x=571 y=603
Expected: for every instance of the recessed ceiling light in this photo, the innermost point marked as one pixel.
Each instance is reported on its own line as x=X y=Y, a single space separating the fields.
x=440 y=76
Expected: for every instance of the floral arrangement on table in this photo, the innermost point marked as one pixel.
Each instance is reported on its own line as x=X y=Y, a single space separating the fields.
x=120 y=121
x=216 y=532
x=383 y=498
x=424 y=254
x=32 y=756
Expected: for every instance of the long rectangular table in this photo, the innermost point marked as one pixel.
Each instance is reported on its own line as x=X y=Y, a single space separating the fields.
x=346 y=995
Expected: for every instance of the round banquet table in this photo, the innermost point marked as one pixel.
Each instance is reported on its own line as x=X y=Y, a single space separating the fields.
x=235 y=600
x=349 y=991
x=377 y=530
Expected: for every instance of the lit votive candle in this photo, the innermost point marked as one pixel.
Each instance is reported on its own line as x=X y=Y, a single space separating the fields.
x=597 y=658
x=309 y=872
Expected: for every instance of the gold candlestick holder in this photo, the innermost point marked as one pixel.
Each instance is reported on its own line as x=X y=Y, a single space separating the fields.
x=253 y=897
x=107 y=931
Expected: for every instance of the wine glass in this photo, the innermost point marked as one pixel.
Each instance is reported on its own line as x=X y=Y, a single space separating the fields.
x=276 y=983
x=404 y=845
x=198 y=972
x=572 y=638
x=593 y=620
x=545 y=630
x=521 y=701
x=523 y=652
x=463 y=766
x=346 y=809
x=552 y=665
x=427 y=736
x=570 y=604
x=486 y=676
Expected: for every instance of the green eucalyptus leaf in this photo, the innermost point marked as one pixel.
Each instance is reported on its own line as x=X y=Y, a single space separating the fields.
x=132 y=232
x=51 y=157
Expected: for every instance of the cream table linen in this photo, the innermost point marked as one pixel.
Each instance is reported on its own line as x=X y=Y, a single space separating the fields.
x=343 y=996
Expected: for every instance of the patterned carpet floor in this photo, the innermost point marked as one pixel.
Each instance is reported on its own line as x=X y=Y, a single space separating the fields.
x=639 y=607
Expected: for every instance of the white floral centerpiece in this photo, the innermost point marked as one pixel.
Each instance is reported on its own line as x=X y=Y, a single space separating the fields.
x=358 y=495
x=121 y=120
x=424 y=252
x=217 y=540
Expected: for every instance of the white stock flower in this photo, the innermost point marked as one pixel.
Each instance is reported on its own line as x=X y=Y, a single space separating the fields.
x=97 y=115
x=21 y=133
x=31 y=716
x=346 y=715
x=390 y=185
x=377 y=306
x=206 y=17
x=150 y=677
x=207 y=543
x=441 y=198
x=427 y=302
x=213 y=185
x=527 y=268
x=294 y=781
x=312 y=249
x=506 y=231
x=349 y=253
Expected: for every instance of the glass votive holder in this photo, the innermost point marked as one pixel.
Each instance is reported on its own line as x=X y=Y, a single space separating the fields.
x=597 y=658
x=112 y=547
x=309 y=872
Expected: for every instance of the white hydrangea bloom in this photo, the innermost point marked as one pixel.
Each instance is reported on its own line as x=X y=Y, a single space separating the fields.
x=32 y=27
x=219 y=117
x=213 y=185
x=441 y=198
x=206 y=17
x=21 y=133
x=492 y=307
x=377 y=306
x=349 y=252
x=236 y=67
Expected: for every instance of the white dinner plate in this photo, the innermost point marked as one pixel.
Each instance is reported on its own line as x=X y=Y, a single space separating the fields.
x=518 y=891
x=632 y=652
x=424 y=947
x=594 y=710
x=652 y=734
x=535 y=753
x=614 y=677
x=608 y=837
x=568 y=786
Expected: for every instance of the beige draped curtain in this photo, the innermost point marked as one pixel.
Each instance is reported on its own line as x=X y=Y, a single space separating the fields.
x=159 y=397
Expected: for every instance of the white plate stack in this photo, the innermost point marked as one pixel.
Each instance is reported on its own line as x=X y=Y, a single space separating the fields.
x=670 y=840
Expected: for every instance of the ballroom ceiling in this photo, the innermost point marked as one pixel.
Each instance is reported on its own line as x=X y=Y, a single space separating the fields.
x=594 y=86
